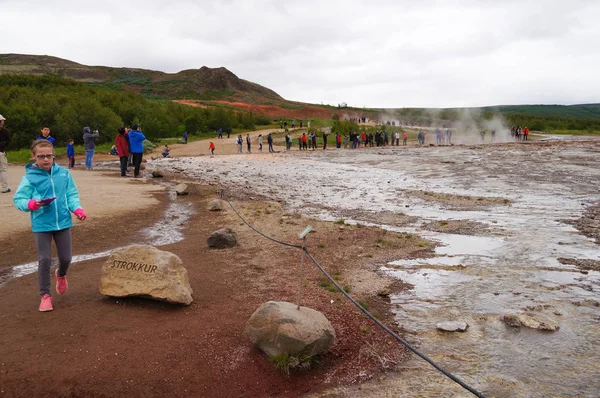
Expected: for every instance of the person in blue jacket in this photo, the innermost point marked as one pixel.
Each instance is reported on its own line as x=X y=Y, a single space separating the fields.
x=136 y=139
x=49 y=193
x=71 y=153
x=46 y=135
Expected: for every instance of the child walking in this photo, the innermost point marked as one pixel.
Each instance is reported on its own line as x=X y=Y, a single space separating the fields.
x=71 y=153
x=48 y=191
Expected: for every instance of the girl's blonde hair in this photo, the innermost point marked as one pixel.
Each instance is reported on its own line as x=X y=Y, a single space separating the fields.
x=41 y=144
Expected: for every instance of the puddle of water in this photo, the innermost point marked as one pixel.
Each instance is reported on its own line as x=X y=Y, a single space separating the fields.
x=169 y=229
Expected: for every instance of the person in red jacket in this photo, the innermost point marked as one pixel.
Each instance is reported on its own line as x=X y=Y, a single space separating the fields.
x=211 y=146
x=304 y=145
x=122 y=150
x=525 y=133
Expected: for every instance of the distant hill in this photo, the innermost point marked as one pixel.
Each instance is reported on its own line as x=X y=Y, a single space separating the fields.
x=222 y=86
x=202 y=84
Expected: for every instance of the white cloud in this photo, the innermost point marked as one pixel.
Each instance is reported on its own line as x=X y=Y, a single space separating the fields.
x=377 y=53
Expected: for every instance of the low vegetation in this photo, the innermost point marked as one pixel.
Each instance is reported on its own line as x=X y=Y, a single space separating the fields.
x=288 y=362
x=66 y=106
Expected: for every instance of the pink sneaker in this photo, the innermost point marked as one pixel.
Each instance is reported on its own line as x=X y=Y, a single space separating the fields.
x=61 y=283
x=46 y=303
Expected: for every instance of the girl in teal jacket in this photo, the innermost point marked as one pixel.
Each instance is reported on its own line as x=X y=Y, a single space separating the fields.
x=49 y=193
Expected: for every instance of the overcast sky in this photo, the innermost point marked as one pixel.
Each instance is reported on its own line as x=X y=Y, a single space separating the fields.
x=366 y=53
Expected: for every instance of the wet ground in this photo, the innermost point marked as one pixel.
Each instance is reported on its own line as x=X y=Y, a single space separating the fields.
x=506 y=209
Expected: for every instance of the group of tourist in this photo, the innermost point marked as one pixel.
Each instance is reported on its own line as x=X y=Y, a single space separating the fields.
x=128 y=146
x=441 y=137
x=519 y=134
x=220 y=132
x=283 y=124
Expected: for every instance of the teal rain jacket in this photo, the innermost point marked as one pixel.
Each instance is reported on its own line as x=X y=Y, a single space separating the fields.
x=39 y=184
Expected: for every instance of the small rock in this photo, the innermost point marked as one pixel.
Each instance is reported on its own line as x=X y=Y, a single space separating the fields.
x=215 y=205
x=557 y=313
x=181 y=189
x=452 y=326
x=223 y=238
x=156 y=174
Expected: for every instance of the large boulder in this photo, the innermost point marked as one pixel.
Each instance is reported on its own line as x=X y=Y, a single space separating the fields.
x=215 y=205
x=222 y=239
x=278 y=327
x=141 y=270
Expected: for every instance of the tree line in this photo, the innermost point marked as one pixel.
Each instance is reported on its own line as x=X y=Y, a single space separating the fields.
x=66 y=106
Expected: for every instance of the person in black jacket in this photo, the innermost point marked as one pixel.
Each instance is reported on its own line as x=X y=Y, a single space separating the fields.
x=270 y=142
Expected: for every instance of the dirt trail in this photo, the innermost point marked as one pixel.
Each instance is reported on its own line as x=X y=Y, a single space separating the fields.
x=101 y=194
x=103 y=347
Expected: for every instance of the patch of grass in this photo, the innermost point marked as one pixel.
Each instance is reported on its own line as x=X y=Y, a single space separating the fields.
x=267 y=211
x=337 y=276
x=359 y=226
x=363 y=304
x=341 y=221
x=423 y=244
x=444 y=223
x=288 y=362
x=346 y=288
x=324 y=283
x=376 y=315
x=322 y=245
x=381 y=241
x=365 y=329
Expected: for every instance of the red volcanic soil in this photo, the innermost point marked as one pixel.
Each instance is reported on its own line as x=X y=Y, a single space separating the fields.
x=300 y=111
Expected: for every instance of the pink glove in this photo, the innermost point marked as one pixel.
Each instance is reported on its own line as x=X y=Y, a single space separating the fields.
x=32 y=205
x=80 y=214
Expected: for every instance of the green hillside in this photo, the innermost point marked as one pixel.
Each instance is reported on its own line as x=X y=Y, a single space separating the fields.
x=203 y=84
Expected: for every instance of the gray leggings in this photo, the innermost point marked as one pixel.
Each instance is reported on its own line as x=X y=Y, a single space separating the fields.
x=43 y=243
